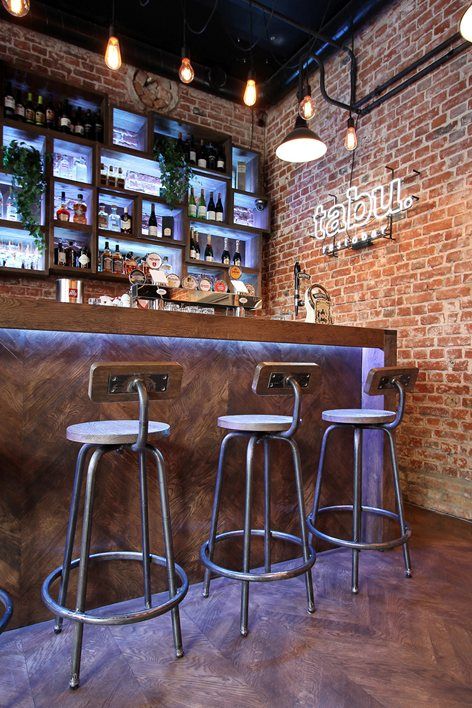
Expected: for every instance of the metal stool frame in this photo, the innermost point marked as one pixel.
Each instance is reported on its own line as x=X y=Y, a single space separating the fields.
x=7 y=603
x=176 y=595
x=245 y=576
x=357 y=507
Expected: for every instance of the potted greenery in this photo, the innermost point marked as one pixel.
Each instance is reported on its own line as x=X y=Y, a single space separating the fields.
x=25 y=164
x=175 y=171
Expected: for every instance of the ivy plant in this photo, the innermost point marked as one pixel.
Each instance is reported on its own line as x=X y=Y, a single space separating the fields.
x=175 y=171
x=26 y=165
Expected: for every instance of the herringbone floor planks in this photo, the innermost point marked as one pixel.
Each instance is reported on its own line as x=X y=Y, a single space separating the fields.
x=399 y=643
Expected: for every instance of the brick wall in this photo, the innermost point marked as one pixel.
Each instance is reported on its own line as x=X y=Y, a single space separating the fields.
x=65 y=62
x=419 y=284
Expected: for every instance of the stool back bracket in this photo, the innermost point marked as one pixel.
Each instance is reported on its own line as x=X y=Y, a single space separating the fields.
x=116 y=381
x=384 y=378
x=272 y=378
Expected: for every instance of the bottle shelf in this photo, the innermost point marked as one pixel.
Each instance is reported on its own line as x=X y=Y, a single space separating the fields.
x=145 y=240
x=213 y=174
x=73 y=183
x=71 y=226
x=76 y=272
x=218 y=266
x=49 y=132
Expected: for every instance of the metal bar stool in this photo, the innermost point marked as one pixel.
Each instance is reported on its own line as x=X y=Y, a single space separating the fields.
x=270 y=379
x=359 y=419
x=5 y=600
x=120 y=382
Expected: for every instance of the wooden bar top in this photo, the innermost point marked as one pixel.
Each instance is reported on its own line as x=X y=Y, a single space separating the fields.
x=41 y=314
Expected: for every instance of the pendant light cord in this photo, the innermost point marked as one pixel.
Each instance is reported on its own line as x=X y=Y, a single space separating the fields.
x=205 y=25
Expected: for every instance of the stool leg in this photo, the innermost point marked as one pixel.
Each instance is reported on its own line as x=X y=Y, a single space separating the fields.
x=247 y=536
x=71 y=528
x=302 y=517
x=169 y=549
x=215 y=511
x=267 y=538
x=83 y=567
x=357 y=507
x=319 y=476
x=143 y=497
x=398 y=495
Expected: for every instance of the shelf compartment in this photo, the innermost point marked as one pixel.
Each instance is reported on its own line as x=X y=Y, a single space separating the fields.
x=246 y=173
x=245 y=212
x=72 y=161
x=121 y=201
x=22 y=133
x=18 y=252
x=71 y=192
x=140 y=250
x=10 y=209
x=163 y=212
x=249 y=242
x=129 y=129
x=210 y=183
x=141 y=175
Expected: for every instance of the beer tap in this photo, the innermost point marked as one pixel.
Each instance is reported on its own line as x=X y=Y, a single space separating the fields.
x=298 y=274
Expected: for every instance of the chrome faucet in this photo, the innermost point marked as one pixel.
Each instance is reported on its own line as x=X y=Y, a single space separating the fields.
x=298 y=274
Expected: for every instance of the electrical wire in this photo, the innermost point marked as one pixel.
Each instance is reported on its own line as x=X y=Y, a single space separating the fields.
x=205 y=25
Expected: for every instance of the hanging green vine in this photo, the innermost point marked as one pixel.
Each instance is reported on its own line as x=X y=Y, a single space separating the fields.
x=26 y=165
x=175 y=171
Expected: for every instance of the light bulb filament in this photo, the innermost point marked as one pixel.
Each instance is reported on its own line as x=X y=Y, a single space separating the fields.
x=113 y=53
x=186 y=72
x=250 y=93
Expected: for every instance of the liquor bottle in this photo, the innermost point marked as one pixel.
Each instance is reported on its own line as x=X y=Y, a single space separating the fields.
x=29 y=109
x=9 y=102
x=102 y=217
x=111 y=180
x=80 y=169
x=192 y=152
x=120 y=179
x=152 y=224
x=73 y=118
x=114 y=221
x=208 y=250
x=88 y=125
x=219 y=209
x=221 y=161
x=64 y=118
x=193 y=248
x=103 y=175
x=192 y=204
x=117 y=261
x=106 y=261
x=19 y=107
x=50 y=114
x=202 y=155
x=130 y=263
x=79 y=128
x=83 y=261
x=70 y=255
x=39 y=114
x=63 y=213
x=126 y=222
x=211 y=157
x=225 y=256
x=80 y=210
x=59 y=254
x=211 y=213
x=237 y=255
x=11 y=210
x=201 y=208
x=98 y=127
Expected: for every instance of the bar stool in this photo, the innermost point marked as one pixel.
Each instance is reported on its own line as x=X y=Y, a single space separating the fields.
x=270 y=379
x=378 y=381
x=120 y=382
x=5 y=600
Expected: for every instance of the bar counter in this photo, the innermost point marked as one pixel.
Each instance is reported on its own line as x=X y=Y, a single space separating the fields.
x=46 y=352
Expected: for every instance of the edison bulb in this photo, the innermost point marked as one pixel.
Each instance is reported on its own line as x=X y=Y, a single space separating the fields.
x=350 y=139
x=186 y=72
x=465 y=27
x=250 y=93
x=17 y=8
x=113 y=53
x=307 y=108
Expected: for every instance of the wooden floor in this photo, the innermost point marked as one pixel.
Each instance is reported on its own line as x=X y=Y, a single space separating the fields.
x=400 y=642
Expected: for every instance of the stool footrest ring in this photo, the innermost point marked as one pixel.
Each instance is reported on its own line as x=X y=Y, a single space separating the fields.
x=257 y=577
x=127 y=618
x=5 y=600
x=360 y=546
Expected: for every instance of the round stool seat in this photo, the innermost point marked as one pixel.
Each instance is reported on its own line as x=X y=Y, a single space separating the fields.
x=259 y=423
x=113 y=432
x=358 y=416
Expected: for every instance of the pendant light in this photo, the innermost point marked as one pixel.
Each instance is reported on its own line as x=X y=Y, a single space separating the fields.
x=465 y=26
x=301 y=144
x=186 y=72
x=306 y=107
x=250 y=92
x=113 y=51
x=17 y=8
x=350 y=139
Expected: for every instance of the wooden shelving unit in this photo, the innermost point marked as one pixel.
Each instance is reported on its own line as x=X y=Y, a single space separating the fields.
x=128 y=141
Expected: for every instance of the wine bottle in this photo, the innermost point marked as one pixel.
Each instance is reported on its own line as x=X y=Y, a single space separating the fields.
x=29 y=109
x=103 y=175
x=192 y=152
x=192 y=204
x=208 y=250
x=59 y=254
x=88 y=125
x=79 y=128
x=152 y=224
x=193 y=250
x=202 y=155
x=50 y=114
x=9 y=103
x=237 y=255
x=98 y=127
x=201 y=208
x=219 y=209
x=64 y=120
x=39 y=114
x=19 y=107
x=225 y=256
x=220 y=160
x=197 y=245
x=211 y=214
x=211 y=157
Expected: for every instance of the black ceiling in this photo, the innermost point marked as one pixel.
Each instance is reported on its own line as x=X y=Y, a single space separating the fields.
x=151 y=31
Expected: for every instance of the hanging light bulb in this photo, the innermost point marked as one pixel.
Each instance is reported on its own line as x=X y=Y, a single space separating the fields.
x=113 y=52
x=186 y=72
x=17 y=8
x=250 y=92
x=307 y=108
x=301 y=144
x=465 y=27
x=350 y=139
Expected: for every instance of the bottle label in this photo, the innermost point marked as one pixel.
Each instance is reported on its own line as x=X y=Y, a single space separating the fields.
x=209 y=258
x=64 y=122
x=49 y=115
x=61 y=258
x=219 y=216
x=39 y=117
x=167 y=232
x=193 y=253
x=126 y=226
x=29 y=113
x=152 y=231
x=201 y=212
x=107 y=264
x=79 y=130
x=118 y=265
x=20 y=110
x=84 y=260
x=192 y=210
x=210 y=215
x=103 y=221
x=226 y=260
x=10 y=102
x=220 y=164
x=63 y=216
x=192 y=156
x=202 y=162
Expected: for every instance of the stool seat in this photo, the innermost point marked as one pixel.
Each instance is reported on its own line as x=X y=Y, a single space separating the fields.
x=258 y=423
x=358 y=416
x=113 y=432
